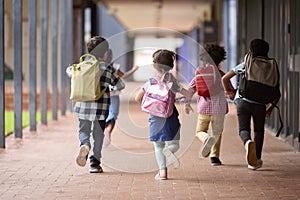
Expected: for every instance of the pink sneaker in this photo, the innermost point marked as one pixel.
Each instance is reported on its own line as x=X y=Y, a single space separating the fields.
x=161 y=175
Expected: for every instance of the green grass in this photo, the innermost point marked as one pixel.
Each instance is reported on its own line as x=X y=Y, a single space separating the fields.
x=9 y=120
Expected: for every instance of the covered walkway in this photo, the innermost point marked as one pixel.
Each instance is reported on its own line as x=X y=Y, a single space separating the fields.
x=42 y=165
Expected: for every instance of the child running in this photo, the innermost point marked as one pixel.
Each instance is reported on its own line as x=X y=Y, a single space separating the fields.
x=114 y=98
x=92 y=114
x=211 y=109
x=164 y=130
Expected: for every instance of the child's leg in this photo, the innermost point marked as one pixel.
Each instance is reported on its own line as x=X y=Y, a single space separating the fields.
x=215 y=149
x=84 y=137
x=217 y=124
x=111 y=119
x=173 y=146
x=202 y=127
x=85 y=132
x=110 y=125
x=98 y=139
x=161 y=161
x=205 y=138
x=114 y=108
x=160 y=157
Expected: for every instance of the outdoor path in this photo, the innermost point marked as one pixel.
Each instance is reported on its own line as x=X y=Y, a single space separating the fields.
x=42 y=165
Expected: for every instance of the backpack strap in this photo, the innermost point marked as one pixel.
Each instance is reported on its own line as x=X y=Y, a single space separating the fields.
x=280 y=120
x=87 y=55
x=168 y=76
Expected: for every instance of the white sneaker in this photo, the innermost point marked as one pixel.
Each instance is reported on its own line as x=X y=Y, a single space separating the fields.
x=257 y=166
x=171 y=158
x=82 y=155
x=251 y=153
x=206 y=147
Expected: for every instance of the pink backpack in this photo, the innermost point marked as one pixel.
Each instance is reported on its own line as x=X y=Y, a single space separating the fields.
x=158 y=99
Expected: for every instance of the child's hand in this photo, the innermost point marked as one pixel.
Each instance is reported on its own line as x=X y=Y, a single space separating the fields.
x=134 y=68
x=188 y=108
x=230 y=94
x=269 y=111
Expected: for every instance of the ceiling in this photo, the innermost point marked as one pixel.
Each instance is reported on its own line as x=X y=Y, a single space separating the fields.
x=177 y=15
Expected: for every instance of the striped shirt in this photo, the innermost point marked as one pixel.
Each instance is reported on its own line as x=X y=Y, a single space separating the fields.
x=213 y=105
x=98 y=109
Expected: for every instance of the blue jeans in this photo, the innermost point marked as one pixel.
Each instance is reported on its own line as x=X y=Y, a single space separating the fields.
x=113 y=110
x=87 y=127
x=257 y=112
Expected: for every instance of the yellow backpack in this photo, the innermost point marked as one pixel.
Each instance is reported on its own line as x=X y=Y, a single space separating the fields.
x=85 y=81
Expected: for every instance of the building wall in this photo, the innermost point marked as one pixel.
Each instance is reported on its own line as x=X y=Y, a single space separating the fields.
x=9 y=49
x=110 y=28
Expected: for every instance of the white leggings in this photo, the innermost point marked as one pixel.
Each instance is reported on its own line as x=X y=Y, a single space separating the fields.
x=173 y=146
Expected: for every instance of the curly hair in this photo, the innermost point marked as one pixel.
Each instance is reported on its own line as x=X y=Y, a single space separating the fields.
x=216 y=52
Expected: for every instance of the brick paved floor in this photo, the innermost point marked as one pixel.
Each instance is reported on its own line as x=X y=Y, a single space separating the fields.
x=42 y=165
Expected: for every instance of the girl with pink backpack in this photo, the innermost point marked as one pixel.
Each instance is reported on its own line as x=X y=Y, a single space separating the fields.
x=164 y=131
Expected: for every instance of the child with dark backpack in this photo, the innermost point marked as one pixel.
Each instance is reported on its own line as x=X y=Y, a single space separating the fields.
x=211 y=103
x=253 y=104
x=164 y=129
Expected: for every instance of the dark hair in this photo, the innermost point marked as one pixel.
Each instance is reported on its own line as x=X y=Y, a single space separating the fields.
x=97 y=46
x=216 y=52
x=163 y=59
x=259 y=47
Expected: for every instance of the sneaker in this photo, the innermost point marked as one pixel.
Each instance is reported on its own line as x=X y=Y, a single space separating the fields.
x=215 y=161
x=96 y=169
x=161 y=175
x=257 y=166
x=251 y=153
x=206 y=147
x=82 y=155
x=171 y=158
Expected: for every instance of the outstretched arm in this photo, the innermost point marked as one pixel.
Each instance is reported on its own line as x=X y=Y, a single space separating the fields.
x=187 y=93
x=128 y=73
